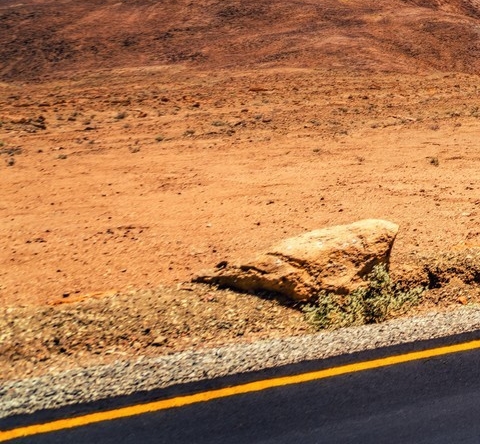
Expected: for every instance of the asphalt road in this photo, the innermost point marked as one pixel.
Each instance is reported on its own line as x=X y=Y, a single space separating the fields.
x=426 y=400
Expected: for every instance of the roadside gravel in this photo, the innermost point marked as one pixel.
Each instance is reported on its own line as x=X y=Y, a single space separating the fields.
x=126 y=377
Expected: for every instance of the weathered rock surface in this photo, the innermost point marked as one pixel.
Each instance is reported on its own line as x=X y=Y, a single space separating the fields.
x=334 y=259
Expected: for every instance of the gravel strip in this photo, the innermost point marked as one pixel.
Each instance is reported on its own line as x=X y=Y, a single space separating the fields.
x=123 y=378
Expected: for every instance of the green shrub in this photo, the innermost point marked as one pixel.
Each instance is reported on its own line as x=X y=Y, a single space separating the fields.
x=375 y=302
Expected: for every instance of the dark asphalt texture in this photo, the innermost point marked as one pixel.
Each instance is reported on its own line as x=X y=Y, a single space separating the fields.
x=428 y=401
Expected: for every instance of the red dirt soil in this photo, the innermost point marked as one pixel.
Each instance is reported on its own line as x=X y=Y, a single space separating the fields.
x=143 y=141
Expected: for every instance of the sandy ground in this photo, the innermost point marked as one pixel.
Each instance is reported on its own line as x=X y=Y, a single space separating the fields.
x=135 y=178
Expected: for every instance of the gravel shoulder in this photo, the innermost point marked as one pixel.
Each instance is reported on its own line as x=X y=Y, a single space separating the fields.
x=125 y=377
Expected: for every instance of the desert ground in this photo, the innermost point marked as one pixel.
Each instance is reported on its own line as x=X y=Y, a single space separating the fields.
x=135 y=179
x=179 y=143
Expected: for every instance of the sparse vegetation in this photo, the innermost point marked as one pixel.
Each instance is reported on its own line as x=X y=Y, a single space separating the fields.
x=453 y=114
x=10 y=151
x=360 y=159
x=377 y=301
x=73 y=116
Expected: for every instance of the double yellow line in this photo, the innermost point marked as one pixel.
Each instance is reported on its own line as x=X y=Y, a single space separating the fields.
x=250 y=387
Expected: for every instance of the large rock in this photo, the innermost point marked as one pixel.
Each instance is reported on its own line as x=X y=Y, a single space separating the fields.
x=334 y=259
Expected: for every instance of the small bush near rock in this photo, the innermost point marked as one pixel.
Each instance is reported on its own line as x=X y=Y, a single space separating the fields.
x=379 y=300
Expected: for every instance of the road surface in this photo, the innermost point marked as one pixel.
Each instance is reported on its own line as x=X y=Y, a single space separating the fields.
x=417 y=393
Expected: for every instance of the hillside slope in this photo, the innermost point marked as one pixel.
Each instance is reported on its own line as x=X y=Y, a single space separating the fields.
x=41 y=37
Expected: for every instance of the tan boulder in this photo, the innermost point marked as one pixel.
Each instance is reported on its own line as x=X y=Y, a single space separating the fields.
x=334 y=259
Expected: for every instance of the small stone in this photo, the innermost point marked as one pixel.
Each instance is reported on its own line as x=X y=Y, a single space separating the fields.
x=462 y=300
x=159 y=341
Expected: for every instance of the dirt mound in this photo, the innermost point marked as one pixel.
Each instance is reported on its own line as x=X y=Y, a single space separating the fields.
x=41 y=37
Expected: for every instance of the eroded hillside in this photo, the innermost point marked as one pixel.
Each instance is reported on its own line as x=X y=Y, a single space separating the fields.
x=45 y=37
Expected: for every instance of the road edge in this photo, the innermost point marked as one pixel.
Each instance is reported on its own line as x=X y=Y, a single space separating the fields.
x=123 y=378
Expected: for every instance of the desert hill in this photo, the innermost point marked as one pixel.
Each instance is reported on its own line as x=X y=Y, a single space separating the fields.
x=44 y=37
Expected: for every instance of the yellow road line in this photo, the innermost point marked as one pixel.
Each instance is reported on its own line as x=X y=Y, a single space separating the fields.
x=231 y=391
